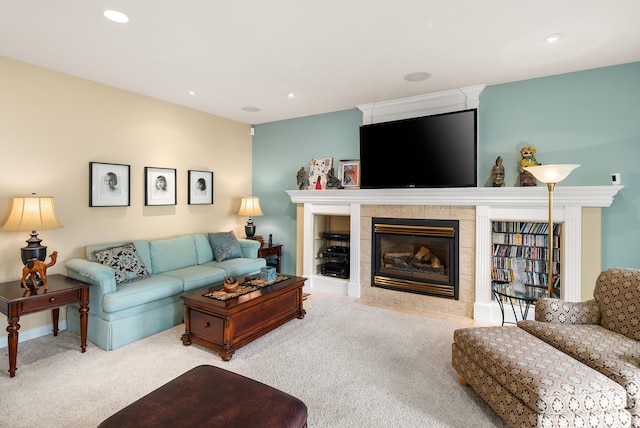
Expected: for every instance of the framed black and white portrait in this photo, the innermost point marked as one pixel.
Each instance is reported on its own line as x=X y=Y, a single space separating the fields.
x=160 y=186
x=109 y=185
x=200 y=187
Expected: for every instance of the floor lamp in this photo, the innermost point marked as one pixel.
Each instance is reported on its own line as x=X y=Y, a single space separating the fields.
x=551 y=174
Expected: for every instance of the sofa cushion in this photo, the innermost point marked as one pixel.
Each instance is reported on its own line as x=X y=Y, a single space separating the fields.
x=124 y=260
x=239 y=267
x=141 y=292
x=204 y=252
x=194 y=277
x=172 y=254
x=225 y=246
x=618 y=295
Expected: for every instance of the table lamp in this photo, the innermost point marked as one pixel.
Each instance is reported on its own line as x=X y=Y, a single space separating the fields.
x=31 y=213
x=551 y=174
x=250 y=207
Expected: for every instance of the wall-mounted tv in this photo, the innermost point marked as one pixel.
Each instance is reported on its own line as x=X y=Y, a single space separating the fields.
x=430 y=151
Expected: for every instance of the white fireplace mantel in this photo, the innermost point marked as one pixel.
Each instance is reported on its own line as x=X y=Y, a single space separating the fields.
x=580 y=196
x=491 y=203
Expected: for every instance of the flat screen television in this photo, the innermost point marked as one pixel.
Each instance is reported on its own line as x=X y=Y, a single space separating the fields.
x=429 y=151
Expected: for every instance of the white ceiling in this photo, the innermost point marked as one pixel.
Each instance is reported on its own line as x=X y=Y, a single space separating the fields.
x=332 y=54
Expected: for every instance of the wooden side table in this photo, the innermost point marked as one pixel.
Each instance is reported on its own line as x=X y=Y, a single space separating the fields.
x=266 y=250
x=16 y=301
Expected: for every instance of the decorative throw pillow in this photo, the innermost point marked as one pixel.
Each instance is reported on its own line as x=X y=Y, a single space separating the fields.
x=225 y=245
x=124 y=260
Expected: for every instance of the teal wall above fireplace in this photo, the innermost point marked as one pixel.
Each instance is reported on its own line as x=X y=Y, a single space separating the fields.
x=588 y=117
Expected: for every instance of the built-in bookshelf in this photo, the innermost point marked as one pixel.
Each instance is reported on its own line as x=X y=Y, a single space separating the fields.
x=529 y=241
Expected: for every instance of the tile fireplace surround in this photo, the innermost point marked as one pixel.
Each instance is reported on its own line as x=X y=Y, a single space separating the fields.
x=475 y=208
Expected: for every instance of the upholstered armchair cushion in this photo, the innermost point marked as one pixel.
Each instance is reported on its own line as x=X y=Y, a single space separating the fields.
x=557 y=311
x=618 y=295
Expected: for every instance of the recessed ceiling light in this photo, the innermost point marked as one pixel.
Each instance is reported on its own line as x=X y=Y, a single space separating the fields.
x=115 y=16
x=250 y=109
x=192 y=92
x=417 y=76
x=291 y=95
x=551 y=38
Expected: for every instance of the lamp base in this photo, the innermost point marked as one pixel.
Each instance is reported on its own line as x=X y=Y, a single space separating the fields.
x=33 y=250
x=29 y=282
x=250 y=230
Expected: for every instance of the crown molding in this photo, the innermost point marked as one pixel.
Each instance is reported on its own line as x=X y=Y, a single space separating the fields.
x=464 y=98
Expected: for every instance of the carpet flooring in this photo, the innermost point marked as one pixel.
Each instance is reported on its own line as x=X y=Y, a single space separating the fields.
x=353 y=364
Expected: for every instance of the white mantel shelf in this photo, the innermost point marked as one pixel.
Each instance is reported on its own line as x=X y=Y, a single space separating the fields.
x=583 y=196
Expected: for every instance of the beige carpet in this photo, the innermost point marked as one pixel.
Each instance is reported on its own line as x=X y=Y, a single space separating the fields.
x=354 y=365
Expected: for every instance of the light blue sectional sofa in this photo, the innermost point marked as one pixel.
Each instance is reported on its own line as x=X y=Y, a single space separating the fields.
x=137 y=285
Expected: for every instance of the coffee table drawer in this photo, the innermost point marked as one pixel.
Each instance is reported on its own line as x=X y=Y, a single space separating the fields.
x=207 y=326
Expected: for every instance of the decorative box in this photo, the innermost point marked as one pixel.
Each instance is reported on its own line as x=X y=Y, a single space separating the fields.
x=268 y=274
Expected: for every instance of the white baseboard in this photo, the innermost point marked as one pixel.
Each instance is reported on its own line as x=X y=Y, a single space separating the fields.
x=490 y=313
x=33 y=333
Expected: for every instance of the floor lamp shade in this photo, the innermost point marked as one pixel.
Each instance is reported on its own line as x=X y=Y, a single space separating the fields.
x=250 y=207
x=32 y=213
x=551 y=174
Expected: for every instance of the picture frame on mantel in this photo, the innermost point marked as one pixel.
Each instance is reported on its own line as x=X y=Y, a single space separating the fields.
x=109 y=185
x=200 y=187
x=160 y=186
x=318 y=170
x=349 y=173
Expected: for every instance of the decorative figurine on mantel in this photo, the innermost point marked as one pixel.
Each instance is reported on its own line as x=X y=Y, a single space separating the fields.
x=528 y=159
x=37 y=269
x=302 y=178
x=498 y=173
x=333 y=182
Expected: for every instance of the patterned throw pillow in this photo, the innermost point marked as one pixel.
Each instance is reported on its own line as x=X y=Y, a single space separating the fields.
x=124 y=260
x=225 y=246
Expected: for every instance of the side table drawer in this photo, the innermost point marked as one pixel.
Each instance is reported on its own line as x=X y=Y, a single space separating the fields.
x=207 y=326
x=51 y=301
x=269 y=251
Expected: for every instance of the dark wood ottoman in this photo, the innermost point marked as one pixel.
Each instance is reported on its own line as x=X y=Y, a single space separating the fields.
x=212 y=397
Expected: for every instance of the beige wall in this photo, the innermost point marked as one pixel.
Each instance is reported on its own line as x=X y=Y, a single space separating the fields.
x=52 y=125
x=591 y=250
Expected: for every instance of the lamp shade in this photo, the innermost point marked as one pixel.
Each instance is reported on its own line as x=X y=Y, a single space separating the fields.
x=31 y=213
x=551 y=173
x=250 y=207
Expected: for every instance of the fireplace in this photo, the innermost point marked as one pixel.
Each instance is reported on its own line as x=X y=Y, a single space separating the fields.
x=415 y=255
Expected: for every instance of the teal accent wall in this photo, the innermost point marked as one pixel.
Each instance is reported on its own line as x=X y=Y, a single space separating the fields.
x=279 y=150
x=589 y=117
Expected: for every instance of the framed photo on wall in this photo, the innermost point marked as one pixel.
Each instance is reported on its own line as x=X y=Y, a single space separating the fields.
x=160 y=186
x=349 y=174
x=109 y=185
x=200 y=187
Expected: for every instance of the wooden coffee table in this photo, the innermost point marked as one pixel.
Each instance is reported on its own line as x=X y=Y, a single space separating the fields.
x=227 y=325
